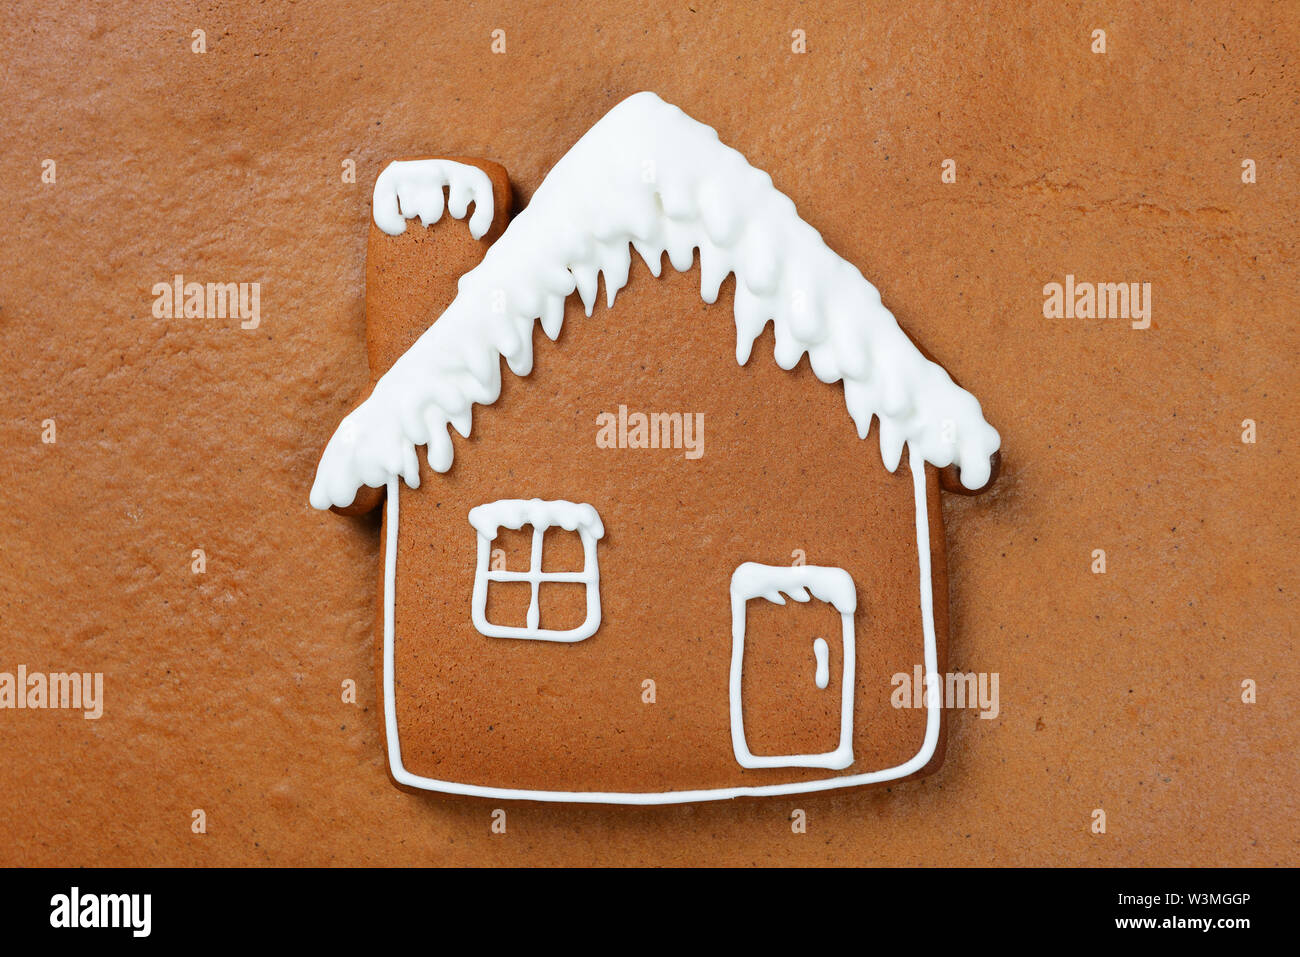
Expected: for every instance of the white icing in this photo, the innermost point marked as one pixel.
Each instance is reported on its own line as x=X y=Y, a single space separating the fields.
x=650 y=176
x=912 y=765
x=822 y=658
x=515 y=513
x=410 y=188
x=833 y=585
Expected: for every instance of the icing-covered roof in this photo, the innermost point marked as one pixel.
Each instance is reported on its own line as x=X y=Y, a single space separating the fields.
x=649 y=177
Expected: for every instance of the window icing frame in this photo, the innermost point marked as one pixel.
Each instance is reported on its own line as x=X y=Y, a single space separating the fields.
x=542 y=516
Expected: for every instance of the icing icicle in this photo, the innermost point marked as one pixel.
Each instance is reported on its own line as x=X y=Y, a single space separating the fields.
x=649 y=177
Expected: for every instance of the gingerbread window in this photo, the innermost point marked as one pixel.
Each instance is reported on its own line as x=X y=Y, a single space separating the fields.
x=544 y=517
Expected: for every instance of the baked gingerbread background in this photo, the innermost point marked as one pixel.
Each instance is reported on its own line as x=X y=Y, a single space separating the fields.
x=1119 y=691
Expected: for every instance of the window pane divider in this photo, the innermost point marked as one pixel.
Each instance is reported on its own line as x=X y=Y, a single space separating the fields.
x=539 y=576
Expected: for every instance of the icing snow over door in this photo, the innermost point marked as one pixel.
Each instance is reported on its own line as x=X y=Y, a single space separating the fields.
x=792 y=667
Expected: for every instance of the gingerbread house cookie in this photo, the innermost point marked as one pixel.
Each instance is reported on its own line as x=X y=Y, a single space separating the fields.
x=651 y=566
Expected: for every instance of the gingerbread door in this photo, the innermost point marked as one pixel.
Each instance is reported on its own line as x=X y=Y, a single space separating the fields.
x=795 y=656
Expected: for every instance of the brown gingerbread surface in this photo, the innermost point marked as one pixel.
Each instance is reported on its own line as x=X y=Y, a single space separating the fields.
x=224 y=690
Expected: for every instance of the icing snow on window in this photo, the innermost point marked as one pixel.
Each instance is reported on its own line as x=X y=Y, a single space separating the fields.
x=410 y=188
x=650 y=176
x=515 y=513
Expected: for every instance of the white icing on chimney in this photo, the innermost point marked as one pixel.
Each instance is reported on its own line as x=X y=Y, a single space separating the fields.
x=410 y=188
x=650 y=176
